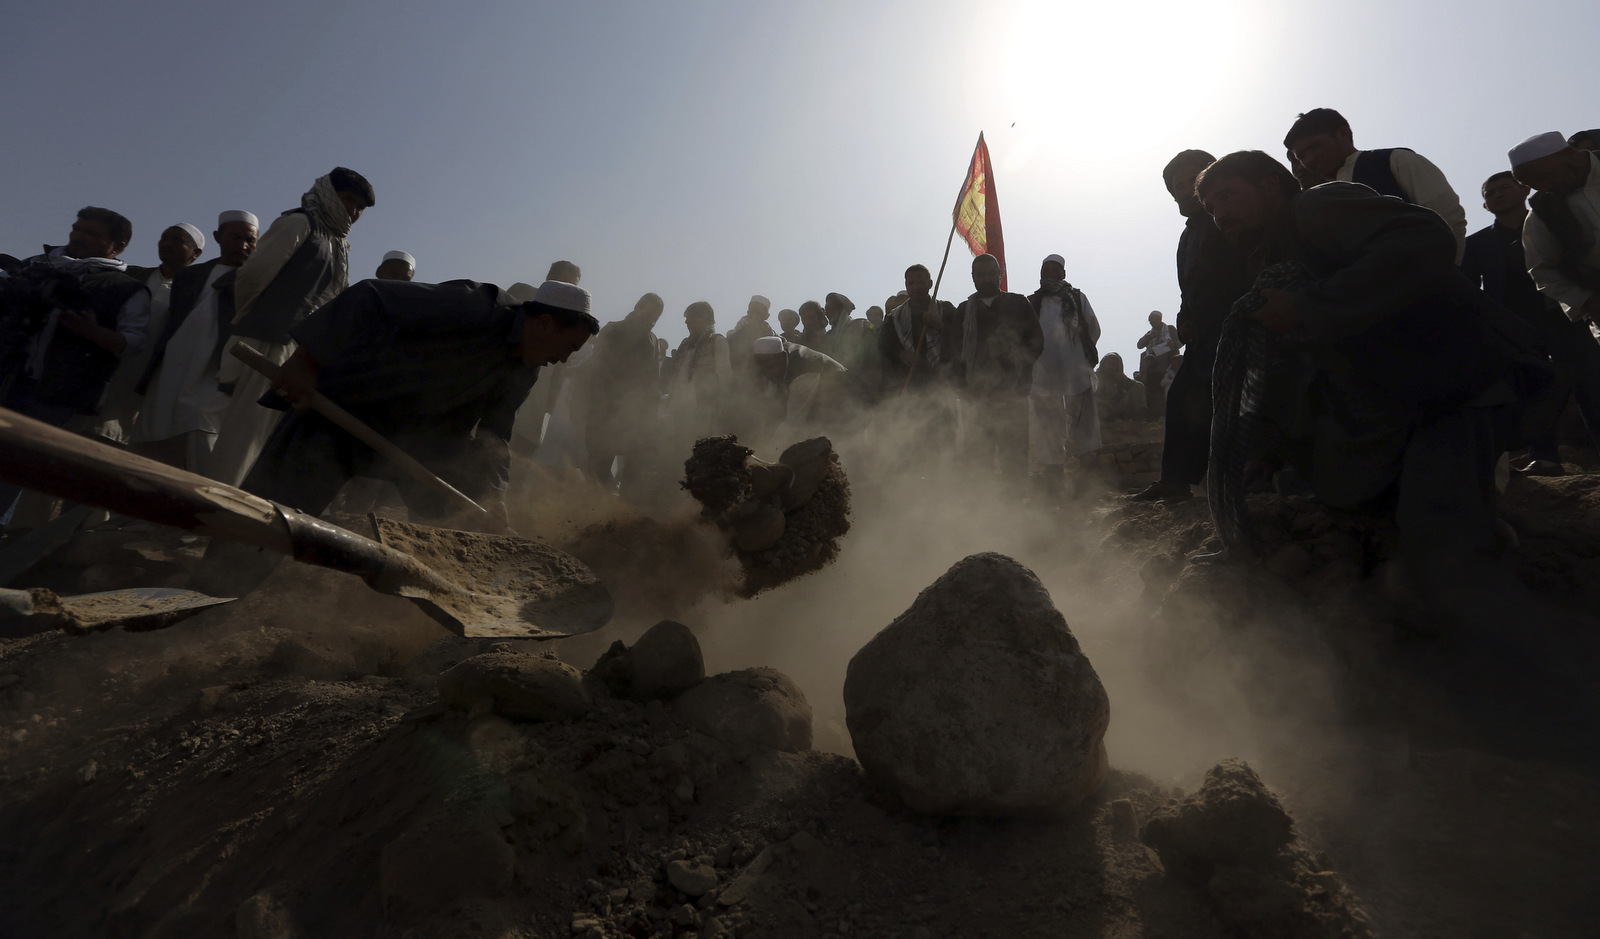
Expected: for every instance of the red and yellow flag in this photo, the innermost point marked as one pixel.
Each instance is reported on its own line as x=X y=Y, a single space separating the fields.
x=977 y=213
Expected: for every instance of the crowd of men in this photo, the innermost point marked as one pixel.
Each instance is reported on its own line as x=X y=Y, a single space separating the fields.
x=1414 y=358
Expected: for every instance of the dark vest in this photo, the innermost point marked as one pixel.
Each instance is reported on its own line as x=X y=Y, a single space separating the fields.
x=76 y=370
x=299 y=287
x=1575 y=238
x=1372 y=169
x=186 y=295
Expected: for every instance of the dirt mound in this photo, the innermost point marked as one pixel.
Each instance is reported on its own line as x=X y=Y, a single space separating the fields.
x=655 y=567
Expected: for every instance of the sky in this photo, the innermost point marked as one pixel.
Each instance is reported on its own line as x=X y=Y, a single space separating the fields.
x=713 y=150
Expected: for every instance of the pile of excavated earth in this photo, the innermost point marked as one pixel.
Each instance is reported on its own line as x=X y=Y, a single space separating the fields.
x=315 y=760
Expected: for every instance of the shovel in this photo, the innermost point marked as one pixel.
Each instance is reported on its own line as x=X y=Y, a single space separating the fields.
x=358 y=429
x=137 y=609
x=475 y=585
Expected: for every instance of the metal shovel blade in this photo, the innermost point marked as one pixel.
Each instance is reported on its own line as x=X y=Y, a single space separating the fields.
x=138 y=609
x=507 y=587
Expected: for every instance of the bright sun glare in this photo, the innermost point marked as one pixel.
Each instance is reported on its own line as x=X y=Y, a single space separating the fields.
x=1113 y=71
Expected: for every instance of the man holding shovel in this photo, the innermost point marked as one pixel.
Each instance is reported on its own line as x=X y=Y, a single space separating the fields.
x=439 y=369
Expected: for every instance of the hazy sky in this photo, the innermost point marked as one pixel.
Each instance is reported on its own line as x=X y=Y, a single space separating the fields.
x=715 y=150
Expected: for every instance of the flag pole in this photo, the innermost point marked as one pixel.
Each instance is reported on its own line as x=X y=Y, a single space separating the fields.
x=933 y=299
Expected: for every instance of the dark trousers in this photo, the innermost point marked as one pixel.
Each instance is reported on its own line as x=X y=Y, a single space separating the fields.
x=308 y=459
x=1001 y=434
x=24 y=401
x=1186 y=446
x=1575 y=353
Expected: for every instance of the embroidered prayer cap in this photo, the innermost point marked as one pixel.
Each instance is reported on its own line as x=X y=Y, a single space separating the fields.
x=411 y=262
x=1537 y=146
x=842 y=300
x=237 y=215
x=193 y=233
x=562 y=296
x=762 y=302
x=1057 y=259
x=769 y=345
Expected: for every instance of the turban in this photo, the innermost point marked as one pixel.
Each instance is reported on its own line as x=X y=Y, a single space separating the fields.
x=769 y=345
x=193 y=233
x=411 y=262
x=842 y=300
x=238 y=215
x=1539 y=145
x=1056 y=258
x=762 y=302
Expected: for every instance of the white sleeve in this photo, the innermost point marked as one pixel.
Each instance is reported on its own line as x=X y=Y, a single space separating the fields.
x=1428 y=187
x=1541 y=250
x=277 y=244
x=133 y=321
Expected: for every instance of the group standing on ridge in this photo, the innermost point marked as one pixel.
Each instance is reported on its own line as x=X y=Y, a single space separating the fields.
x=1406 y=356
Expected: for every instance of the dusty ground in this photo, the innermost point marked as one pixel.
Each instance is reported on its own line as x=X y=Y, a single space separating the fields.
x=281 y=766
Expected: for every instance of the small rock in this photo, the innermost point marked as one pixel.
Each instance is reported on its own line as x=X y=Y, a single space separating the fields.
x=666 y=661
x=685 y=916
x=593 y=886
x=88 y=771
x=692 y=877
x=978 y=699
x=618 y=894
x=754 y=707
x=1233 y=819
x=522 y=686
x=264 y=916
x=614 y=669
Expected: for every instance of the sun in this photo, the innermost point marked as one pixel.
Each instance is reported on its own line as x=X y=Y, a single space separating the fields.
x=1075 y=73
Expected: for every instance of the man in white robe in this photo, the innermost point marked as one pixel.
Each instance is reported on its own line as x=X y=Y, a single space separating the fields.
x=180 y=246
x=1063 y=418
x=183 y=406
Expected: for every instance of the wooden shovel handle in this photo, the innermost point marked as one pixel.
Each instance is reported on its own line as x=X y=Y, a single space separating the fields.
x=51 y=460
x=358 y=429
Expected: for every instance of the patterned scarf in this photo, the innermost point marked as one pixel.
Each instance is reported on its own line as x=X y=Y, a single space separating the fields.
x=321 y=203
x=905 y=329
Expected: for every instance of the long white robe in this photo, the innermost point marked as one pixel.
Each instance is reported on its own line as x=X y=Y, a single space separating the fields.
x=183 y=394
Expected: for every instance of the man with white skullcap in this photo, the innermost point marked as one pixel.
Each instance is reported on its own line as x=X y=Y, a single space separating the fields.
x=397 y=265
x=1062 y=417
x=179 y=247
x=742 y=410
x=439 y=369
x=181 y=404
x=807 y=380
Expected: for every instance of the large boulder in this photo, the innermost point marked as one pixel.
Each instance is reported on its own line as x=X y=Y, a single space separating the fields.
x=978 y=701
x=519 y=685
x=749 y=709
x=666 y=661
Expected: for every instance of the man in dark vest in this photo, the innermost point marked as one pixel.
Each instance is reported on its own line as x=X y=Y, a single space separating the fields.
x=623 y=392
x=182 y=404
x=66 y=318
x=301 y=262
x=179 y=247
x=1321 y=140
x=1210 y=278
x=993 y=345
x=440 y=369
x=1495 y=261
x=1406 y=370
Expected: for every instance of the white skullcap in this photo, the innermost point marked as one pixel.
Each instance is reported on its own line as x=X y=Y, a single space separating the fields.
x=193 y=233
x=769 y=345
x=562 y=296
x=762 y=302
x=843 y=301
x=411 y=262
x=1056 y=258
x=1539 y=145
x=237 y=215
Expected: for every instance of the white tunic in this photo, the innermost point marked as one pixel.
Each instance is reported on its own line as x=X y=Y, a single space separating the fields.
x=183 y=393
x=1062 y=369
